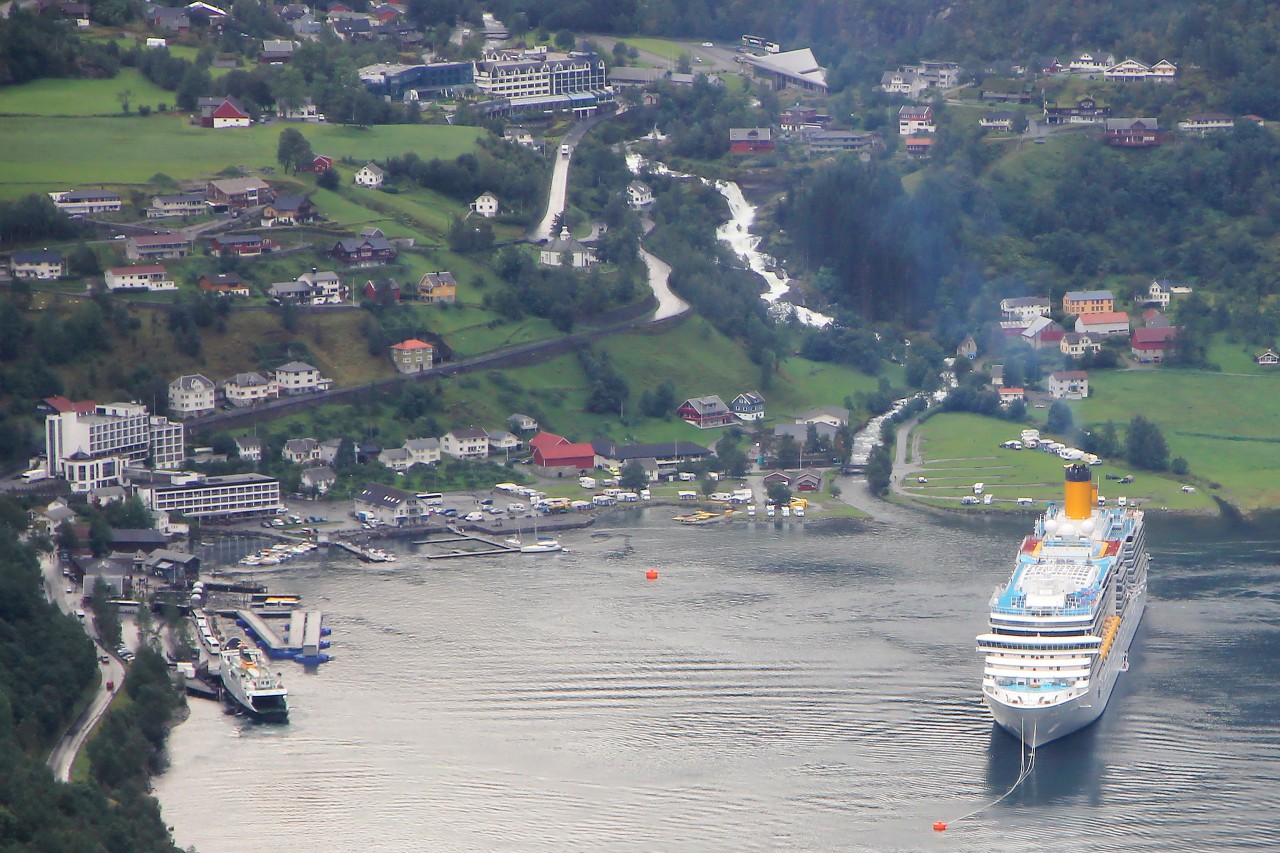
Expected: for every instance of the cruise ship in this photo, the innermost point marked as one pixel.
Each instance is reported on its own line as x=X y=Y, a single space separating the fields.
x=250 y=683
x=1060 y=628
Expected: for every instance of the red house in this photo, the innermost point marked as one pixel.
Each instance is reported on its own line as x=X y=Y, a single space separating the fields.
x=1152 y=343
x=242 y=245
x=556 y=451
x=1133 y=132
x=319 y=166
x=750 y=140
x=374 y=289
x=705 y=412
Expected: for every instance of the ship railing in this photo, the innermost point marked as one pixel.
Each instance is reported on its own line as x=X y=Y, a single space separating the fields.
x=1022 y=610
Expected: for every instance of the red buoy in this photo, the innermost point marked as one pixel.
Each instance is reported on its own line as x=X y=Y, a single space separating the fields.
x=939 y=827
x=652 y=575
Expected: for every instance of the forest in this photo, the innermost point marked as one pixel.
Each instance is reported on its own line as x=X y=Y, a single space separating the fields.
x=46 y=665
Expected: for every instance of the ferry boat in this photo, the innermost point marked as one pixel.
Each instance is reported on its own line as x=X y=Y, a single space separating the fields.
x=250 y=683
x=1060 y=628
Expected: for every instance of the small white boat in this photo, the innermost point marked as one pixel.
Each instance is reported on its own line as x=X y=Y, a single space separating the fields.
x=512 y=541
x=542 y=545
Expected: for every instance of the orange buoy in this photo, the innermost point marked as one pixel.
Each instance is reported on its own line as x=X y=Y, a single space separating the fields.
x=652 y=575
x=939 y=827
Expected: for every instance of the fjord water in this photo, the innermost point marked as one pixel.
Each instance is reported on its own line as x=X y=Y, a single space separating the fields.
x=776 y=688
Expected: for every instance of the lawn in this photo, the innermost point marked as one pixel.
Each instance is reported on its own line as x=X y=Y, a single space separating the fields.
x=40 y=154
x=659 y=47
x=960 y=449
x=1223 y=425
x=62 y=97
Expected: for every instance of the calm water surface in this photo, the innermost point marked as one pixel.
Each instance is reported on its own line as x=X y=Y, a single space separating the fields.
x=776 y=688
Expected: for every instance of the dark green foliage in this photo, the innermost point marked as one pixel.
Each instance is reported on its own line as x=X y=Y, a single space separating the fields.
x=1145 y=445
x=879 y=470
x=1059 y=419
x=633 y=477
x=659 y=402
x=779 y=493
x=608 y=390
x=293 y=150
x=33 y=217
x=515 y=174
x=1179 y=466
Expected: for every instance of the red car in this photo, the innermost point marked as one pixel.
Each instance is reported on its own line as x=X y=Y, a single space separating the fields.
x=111 y=686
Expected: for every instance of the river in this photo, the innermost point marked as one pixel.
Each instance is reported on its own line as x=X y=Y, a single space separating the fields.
x=778 y=687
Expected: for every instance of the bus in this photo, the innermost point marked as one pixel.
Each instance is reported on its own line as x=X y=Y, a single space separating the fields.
x=758 y=43
x=35 y=474
x=431 y=498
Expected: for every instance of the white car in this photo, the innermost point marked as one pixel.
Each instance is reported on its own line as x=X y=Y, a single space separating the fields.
x=707 y=44
x=474 y=516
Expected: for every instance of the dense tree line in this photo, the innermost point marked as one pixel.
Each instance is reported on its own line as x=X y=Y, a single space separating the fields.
x=46 y=664
x=561 y=294
x=35 y=46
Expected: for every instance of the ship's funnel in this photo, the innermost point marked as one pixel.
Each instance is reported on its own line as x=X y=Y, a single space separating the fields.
x=1079 y=491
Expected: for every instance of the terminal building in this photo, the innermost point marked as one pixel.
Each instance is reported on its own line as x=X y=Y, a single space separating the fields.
x=413 y=82
x=200 y=496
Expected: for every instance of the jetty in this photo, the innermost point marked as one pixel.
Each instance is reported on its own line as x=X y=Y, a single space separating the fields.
x=300 y=640
x=367 y=555
x=448 y=545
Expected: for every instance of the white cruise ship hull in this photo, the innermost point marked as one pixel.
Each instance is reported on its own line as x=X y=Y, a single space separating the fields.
x=1038 y=725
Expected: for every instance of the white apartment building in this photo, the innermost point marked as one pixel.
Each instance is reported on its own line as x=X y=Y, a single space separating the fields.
x=142 y=277
x=85 y=202
x=246 y=389
x=298 y=377
x=231 y=495
x=469 y=443
x=194 y=394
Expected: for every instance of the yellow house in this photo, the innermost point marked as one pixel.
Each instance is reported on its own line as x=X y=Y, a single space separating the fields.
x=438 y=287
x=1077 y=302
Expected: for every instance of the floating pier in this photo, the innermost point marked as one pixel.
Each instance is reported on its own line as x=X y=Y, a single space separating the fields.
x=489 y=546
x=301 y=640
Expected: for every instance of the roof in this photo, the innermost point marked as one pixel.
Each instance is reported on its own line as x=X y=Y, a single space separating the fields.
x=295 y=367
x=576 y=450
x=753 y=398
x=909 y=111
x=837 y=412
x=223 y=279
x=193 y=382
x=750 y=134
x=86 y=195
x=1153 y=335
x=1025 y=301
x=372 y=167
x=229 y=109
x=376 y=493
x=711 y=404
x=247 y=380
x=165 y=239
x=354 y=244
x=546 y=439
x=468 y=432
x=800 y=432
x=141 y=269
x=1038 y=325
x=1086 y=295
x=290 y=202
x=1147 y=122
x=639 y=186
x=37 y=256
x=300 y=445
x=63 y=405
x=416 y=444
x=248 y=442
x=413 y=344
x=565 y=243
x=1104 y=317
x=435 y=279
x=1067 y=375
x=801 y=64
x=665 y=449
x=235 y=186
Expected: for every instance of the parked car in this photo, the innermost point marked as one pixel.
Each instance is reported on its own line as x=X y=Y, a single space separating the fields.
x=474 y=516
x=450 y=512
x=103 y=659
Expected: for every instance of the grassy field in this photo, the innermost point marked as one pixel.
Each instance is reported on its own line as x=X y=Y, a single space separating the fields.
x=38 y=154
x=1223 y=425
x=50 y=97
x=958 y=450
x=659 y=47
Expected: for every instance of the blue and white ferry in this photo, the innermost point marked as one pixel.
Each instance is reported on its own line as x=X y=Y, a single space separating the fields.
x=1060 y=628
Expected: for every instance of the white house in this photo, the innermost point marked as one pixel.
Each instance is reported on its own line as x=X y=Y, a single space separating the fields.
x=85 y=202
x=246 y=389
x=194 y=394
x=249 y=448
x=143 y=277
x=298 y=377
x=913 y=120
x=999 y=120
x=319 y=479
x=522 y=423
x=1104 y=323
x=1069 y=385
x=501 y=440
x=1267 y=358
x=834 y=416
x=1163 y=71
x=1076 y=344
x=903 y=82
x=396 y=458
x=370 y=175
x=639 y=194
x=1092 y=62
x=301 y=451
x=1127 y=70
x=1024 y=308
x=1206 y=122
x=41 y=264
x=423 y=451
x=486 y=205
x=555 y=250
x=469 y=443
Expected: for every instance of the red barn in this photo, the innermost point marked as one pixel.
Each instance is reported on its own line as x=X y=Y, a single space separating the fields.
x=1152 y=343
x=319 y=166
x=556 y=451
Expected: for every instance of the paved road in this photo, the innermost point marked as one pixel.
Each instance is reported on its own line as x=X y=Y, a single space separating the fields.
x=68 y=747
x=560 y=177
x=669 y=305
